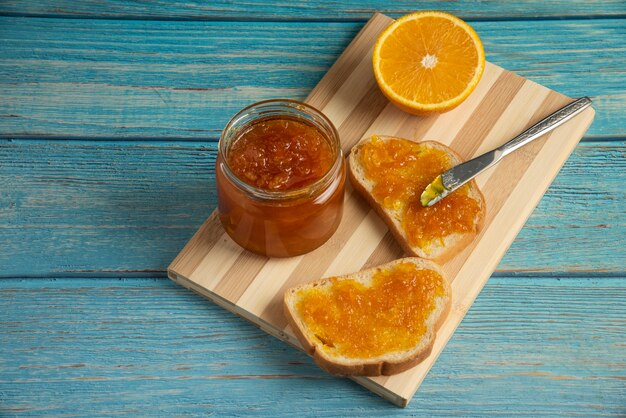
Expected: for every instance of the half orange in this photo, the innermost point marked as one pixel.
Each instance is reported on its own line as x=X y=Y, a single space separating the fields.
x=428 y=62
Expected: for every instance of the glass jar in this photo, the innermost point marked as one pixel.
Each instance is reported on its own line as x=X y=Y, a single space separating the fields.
x=279 y=223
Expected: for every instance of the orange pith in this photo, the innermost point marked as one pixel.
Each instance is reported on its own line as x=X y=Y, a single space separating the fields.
x=428 y=62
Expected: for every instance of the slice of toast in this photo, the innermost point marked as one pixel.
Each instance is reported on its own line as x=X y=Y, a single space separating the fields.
x=379 y=321
x=442 y=248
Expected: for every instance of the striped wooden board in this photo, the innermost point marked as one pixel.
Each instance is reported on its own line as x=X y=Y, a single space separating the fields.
x=502 y=105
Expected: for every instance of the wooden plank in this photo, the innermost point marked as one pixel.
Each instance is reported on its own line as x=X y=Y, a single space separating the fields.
x=303 y=10
x=502 y=105
x=534 y=347
x=85 y=204
x=78 y=202
x=184 y=80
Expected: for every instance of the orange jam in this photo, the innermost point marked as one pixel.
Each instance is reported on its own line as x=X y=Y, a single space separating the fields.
x=280 y=154
x=360 y=321
x=280 y=178
x=400 y=170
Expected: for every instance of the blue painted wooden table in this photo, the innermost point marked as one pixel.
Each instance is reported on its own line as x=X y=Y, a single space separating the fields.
x=109 y=116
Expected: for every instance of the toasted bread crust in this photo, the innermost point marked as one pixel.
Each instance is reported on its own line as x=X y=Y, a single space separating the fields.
x=451 y=248
x=368 y=368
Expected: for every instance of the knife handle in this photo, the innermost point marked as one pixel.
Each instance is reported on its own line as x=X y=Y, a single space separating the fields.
x=545 y=125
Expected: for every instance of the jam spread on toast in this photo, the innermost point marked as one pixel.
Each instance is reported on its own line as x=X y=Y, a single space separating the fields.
x=400 y=170
x=365 y=321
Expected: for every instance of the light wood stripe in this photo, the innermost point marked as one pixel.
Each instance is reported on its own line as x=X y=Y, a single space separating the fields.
x=351 y=257
x=216 y=262
x=239 y=276
x=415 y=128
x=368 y=108
x=266 y=283
x=341 y=105
x=502 y=105
x=387 y=122
x=266 y=289
x=198 y=247
x=363 y=241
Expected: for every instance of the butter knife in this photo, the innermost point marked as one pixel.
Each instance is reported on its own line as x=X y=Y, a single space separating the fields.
x=457 y=176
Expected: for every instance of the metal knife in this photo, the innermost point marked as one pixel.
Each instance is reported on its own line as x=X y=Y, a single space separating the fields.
x=457 y=176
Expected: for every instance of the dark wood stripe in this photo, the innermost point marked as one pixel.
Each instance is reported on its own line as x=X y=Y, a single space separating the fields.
x=387 y=250
x=205 y=238
x=486 y=114
x=389 y=119
x=341 y=70
x=506 y=176
x=362 y=116
x=415 y=127
x=239 y=276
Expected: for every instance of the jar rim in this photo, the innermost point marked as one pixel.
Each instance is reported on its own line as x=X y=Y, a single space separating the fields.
x=329 y=131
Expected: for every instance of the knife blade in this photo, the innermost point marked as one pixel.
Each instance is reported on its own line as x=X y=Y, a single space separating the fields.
x=457 y=176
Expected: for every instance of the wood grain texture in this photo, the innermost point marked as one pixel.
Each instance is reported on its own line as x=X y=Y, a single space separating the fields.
x=85 y=204
x=184 y=80
x=146 y=347
x=102 y=207
x=309 y=11
x=502 y=105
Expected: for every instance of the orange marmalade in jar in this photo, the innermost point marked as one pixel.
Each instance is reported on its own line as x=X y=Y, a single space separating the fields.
x=280 y=176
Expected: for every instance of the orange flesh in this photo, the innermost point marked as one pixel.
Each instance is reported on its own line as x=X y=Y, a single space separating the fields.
x=280 y=155
x=400 y=170
x=356 y=321
x=429 y=60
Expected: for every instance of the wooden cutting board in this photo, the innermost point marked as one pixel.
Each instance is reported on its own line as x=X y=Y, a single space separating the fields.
x=502 y=105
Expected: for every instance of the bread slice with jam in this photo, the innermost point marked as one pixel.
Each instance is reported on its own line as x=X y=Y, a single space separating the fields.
x=379 y=321
x=391 y=173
